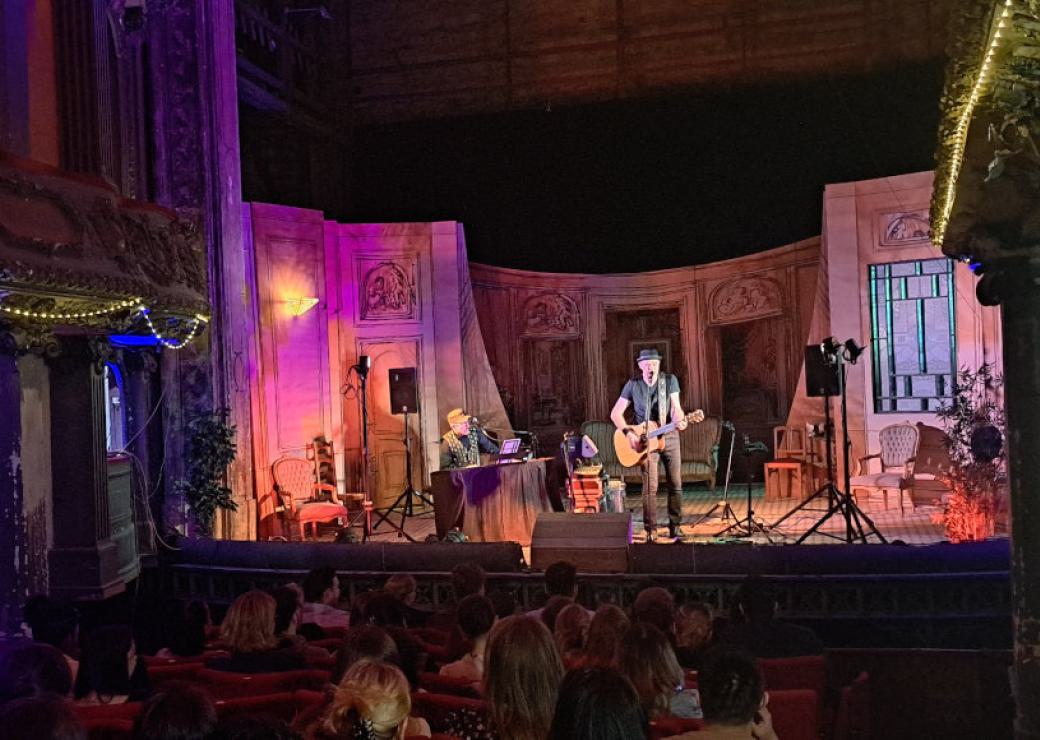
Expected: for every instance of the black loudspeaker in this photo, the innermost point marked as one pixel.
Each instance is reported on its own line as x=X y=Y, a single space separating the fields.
x=404 y=396
x=592 y=543
x=821 y=378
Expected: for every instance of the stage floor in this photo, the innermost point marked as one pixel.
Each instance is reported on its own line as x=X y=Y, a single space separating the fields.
x=920 y=526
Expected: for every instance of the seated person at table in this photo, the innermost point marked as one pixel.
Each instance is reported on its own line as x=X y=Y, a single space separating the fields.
x=462 y=445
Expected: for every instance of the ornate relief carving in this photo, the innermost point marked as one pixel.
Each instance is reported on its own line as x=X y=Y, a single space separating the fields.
x=745 y=299
x=550 y=315
x=21 y=340
x=904 y=227
x=387 y=290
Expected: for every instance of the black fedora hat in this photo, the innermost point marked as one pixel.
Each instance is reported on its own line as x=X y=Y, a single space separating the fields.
x=648 y=354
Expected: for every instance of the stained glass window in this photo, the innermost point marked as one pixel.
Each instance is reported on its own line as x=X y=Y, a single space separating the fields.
x=911 y=318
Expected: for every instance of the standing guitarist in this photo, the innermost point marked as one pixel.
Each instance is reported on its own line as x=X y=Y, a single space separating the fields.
x=652 y=395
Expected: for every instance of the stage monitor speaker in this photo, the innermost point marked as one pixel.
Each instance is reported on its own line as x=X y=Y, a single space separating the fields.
x=821 y=378
x=404 y=396
x=592 y=543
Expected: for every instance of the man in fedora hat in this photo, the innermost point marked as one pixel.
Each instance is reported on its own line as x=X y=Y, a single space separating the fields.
x=654 y=396
x=462 y=444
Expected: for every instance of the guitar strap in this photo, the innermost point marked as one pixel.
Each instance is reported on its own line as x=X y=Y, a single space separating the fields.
x=662 y=400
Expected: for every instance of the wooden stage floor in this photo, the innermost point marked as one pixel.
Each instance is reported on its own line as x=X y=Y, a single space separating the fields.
x=920 y=526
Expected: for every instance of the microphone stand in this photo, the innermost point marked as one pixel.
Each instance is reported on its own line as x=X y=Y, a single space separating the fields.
x=727 y=510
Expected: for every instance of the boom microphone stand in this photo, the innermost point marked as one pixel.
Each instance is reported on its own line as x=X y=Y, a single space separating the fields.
x=727 y=510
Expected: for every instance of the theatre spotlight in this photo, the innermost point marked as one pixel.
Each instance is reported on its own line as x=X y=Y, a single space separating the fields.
x=852 y=350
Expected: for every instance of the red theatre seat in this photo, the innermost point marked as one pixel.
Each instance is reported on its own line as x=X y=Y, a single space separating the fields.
x=127 y=711
x=285 y=705
x=852 y=721
x=153 y=661
x=108 y=728
x=438 y=684
x=795 y=714
x=332 y=644
x=807 y=672
x=163 y=674
x=226 y=684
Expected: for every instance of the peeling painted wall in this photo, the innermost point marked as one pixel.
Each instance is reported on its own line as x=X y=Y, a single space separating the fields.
x=36 y=468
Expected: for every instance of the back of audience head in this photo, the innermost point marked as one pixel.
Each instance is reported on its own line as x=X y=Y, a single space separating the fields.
x=648 y=661
x=730 y=686
x=359 y=609
x=561 y=579
x=384 y=610
x=33 y=669
x=693 y=625
x=248 y=625
x=370 y=691
x=552 y=609
x=286 y=610
x=656 y=606
x=106 y=663
x=402 y=586
x=504 y=602
x=321 y=586
x=179 y=711
x=188 y=631
x=476 y=616
x=51 y=622
x=466 y=579
x=606 y=631
x=756 y=600
x=41 y=718
x=366 y=642
x=522 y=674
x=571 y=629
x=597 y=703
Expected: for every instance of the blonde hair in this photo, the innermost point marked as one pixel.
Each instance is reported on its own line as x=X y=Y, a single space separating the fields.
x=572 y=629
x=693 y=625
x=522 y=675
x=606 y=630
x=646 y=657
x=372 y=691
x=400 y=586
x=248 y=626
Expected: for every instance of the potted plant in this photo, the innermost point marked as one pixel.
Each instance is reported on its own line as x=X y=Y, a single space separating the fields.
x=211 y=449
x=974 y=424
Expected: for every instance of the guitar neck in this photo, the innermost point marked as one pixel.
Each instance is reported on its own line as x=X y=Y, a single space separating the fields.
x=666 y=428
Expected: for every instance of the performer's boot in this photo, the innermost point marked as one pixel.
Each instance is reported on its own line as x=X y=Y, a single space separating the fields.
x=649 y=532
x=673 y=530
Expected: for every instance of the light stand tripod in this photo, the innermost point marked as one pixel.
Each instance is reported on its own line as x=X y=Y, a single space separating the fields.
x=404 y=501
x=727 y=510
x=858 y=526
x=361 y=370
x=749 y=525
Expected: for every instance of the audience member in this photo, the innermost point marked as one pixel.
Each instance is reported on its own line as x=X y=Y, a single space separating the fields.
x=466 y=579
x=732 y=698
x=366 y=642
x=187 y=637
x=552 y=610
x=571 y=631
x=402 y=586
x=179 y=711
x=33 y=669
x=476 y=618
x=504 y=602
x=321 y=595
x=693 y=627
x=54 y=624
x=597 y=703
x=383 y=610
x=109 y=672
x=522 y=675
x=248 y=632
x=606 y=631
x=656 y=606
x=373 y=701
x=760 y=632
x=288 y=603
x=46 y=717
x=561 y=579
x=648 y=661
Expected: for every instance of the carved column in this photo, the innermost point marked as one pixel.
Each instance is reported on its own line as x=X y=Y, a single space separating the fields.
x=83 y=561
x=12 y=523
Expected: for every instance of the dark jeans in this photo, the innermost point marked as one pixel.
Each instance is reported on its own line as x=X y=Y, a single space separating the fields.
x=673 y=472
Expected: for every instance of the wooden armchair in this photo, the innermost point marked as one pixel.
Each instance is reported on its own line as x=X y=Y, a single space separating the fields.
x=898 y=454
x=294 y=485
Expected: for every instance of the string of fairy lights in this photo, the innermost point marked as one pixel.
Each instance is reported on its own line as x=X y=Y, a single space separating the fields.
x=198 y=321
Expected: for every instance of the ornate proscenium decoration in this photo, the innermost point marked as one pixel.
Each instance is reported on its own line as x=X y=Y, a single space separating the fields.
x=985 y=204
x=75 y=254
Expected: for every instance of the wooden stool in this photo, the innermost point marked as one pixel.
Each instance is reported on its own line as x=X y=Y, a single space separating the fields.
x=795 y=487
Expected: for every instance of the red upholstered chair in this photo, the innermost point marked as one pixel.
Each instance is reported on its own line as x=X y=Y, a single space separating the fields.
x=805 y=672
x=154 y=661
x=331 y=644
x=852 y=721
x=227 y=684
x=162 y=674
x=435 y=708
x=438 y=684
x=294 y=484
x=796 y=714
x=284 y=705
x=669 y=726
x=108 y=728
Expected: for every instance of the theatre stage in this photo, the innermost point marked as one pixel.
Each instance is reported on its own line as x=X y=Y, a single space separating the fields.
x=921 y=526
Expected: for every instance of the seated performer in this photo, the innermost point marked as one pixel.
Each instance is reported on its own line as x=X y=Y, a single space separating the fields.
x=461 y=447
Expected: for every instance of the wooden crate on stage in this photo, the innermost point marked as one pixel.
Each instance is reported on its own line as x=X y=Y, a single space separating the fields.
x=593 y=543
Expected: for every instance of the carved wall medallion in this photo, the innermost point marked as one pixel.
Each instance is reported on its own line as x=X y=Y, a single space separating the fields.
x=387 y=289
x=899 y=228
x=745 y=299
x=550 y=315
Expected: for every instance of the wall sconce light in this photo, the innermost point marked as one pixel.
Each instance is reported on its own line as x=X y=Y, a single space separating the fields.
x=300 y=306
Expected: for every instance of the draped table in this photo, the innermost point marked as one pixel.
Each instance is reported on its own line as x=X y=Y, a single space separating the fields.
x=492 y=503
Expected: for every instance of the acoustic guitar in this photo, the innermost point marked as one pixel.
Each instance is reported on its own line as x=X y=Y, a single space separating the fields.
x=650 y=439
